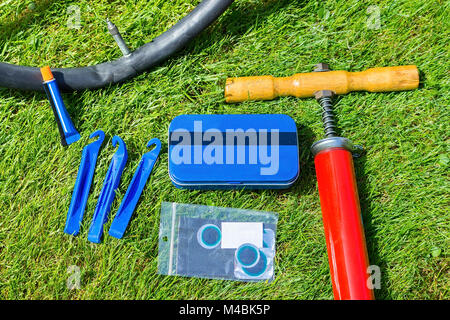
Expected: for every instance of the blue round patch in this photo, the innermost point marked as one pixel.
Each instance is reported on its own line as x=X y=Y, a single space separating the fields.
x=259 y=268
x=209 y=236
x=247 y=255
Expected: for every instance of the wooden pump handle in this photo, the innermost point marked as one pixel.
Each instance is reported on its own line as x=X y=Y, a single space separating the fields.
x=304 y=85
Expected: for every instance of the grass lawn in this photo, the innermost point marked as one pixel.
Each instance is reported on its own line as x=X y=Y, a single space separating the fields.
x=402 y=179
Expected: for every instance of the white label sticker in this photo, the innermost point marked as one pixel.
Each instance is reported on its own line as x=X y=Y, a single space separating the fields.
x=234 y=234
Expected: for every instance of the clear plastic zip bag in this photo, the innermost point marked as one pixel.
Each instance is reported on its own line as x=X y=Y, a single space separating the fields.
x=218 y=243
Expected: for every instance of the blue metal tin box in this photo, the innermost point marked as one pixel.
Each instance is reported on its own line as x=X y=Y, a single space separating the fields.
x=257 y=151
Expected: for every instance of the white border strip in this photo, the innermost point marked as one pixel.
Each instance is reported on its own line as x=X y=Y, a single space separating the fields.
x=172 y=236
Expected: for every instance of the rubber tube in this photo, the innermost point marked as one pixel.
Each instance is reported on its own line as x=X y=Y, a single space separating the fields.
x=100 y=75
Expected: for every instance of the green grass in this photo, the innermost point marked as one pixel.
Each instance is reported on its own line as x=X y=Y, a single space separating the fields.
x=403 y=178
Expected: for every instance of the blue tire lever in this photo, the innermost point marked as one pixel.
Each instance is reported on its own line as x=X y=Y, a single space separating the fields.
x=83 y=183
x=108 y=192
x=131 y=198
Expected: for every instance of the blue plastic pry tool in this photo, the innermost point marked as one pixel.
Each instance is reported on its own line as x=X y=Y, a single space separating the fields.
x=108 y=192
x=83 y=183
x=131 y=198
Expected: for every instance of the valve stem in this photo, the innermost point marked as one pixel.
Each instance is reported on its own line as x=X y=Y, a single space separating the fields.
x=118 y=37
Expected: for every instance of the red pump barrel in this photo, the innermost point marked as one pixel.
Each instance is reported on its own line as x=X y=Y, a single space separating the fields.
x=344 y=232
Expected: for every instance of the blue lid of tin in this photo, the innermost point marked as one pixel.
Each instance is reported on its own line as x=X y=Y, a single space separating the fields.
x=223 y=151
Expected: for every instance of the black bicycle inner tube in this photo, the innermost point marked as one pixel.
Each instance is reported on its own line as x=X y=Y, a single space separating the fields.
x=103 y=74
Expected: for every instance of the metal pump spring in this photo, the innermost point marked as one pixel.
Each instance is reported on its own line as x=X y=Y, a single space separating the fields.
x=329 y=122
